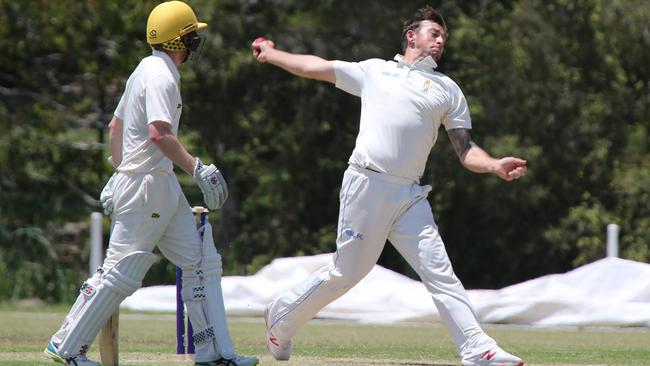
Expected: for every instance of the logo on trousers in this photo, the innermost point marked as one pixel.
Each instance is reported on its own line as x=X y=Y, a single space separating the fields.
x=352 y=234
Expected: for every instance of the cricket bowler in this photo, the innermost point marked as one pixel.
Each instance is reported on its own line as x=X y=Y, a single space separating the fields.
x=404 y=101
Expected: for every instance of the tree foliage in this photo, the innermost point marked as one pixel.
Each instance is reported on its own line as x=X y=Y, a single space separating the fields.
x=562 y=83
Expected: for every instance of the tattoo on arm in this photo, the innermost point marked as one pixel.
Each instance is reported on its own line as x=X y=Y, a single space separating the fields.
x=461 y=141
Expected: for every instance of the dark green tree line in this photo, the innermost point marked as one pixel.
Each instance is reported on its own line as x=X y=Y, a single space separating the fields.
x=561 y=83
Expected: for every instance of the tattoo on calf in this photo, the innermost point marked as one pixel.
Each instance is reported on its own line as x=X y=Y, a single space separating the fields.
x=460 y=140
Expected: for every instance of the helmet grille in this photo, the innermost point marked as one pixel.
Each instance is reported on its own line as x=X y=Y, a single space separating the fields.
x=174 y=45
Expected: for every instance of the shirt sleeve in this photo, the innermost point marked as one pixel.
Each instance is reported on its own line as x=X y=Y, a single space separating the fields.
x=159 y=95
x=350 y=76
x=457 y=115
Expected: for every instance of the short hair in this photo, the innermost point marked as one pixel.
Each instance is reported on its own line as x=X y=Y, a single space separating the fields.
x=426 y=13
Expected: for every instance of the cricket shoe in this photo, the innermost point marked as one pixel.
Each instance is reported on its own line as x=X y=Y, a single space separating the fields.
x=79 y=360
x=281 y=351
x=493 y=357
x=236 y=361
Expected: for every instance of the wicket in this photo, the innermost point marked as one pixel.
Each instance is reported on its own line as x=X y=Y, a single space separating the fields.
x=182 y=347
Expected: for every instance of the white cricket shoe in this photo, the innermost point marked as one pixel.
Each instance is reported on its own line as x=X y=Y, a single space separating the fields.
x=79 y=360
x=281 y=351
x=493 y=357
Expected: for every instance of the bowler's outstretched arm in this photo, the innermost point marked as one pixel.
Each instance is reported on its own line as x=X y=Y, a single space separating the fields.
x=478 y=161
x=307 y=66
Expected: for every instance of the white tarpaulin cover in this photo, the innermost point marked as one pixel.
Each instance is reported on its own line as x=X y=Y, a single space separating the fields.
x=608 y=292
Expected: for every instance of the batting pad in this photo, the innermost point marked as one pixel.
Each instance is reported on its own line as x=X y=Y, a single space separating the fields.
x=91 y=283
x=193 y=294
x=100 y=301
x=204 y=300
x=216 y=310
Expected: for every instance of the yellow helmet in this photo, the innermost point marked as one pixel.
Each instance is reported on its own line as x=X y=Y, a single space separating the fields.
x=168 y=22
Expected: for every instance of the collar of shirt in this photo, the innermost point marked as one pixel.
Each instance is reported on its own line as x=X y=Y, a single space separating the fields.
x=170 y=63
x=423 y=64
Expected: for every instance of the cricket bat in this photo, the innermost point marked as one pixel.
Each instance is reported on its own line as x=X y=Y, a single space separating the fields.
x=109 y=348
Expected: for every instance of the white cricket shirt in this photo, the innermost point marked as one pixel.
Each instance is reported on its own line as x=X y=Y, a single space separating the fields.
x=152 y=94
x=402 y=108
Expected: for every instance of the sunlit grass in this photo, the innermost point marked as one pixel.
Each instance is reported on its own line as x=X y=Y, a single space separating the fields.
x=149 y=339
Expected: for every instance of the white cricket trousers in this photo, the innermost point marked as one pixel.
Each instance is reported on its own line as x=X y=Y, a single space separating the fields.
x=375 y=207
x=151 y=210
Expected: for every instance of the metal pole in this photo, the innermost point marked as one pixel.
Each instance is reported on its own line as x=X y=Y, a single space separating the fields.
x=612 y=240
x=95 y=260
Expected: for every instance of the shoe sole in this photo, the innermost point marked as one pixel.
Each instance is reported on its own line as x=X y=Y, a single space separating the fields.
x=53 y=356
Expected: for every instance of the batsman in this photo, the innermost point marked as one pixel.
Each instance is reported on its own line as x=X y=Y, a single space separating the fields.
x=148 y=207
x=404 y=102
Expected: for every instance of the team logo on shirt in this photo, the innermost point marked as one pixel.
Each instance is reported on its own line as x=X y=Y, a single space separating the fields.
x=426 y=86
x=391 y=74
x=179 y=106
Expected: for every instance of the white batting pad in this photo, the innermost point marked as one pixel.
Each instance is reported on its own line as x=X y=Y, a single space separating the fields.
x=99 y=301
x=216 y=310
x=204 y=301
x=193 y=294
x=92 y=283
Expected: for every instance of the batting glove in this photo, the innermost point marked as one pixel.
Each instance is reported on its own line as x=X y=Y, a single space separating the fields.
x=212 y=184
x=106 y=197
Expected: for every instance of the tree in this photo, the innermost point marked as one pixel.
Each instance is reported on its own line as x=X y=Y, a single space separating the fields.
x=58 y=83
x=561 y=83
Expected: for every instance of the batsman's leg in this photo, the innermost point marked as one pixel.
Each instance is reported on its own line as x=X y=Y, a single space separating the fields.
x=98 y=300
x=201 y=265
x=92 y=282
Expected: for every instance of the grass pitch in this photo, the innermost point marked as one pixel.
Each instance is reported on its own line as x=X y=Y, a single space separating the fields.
x=150 y=339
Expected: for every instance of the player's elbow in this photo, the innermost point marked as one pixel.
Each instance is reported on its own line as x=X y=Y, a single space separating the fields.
x=158 y=132
x=155 y=137
x=156 y=140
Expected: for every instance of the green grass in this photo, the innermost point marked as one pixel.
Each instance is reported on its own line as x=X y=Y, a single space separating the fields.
x=149 y=339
